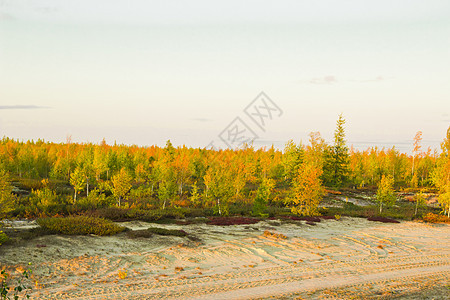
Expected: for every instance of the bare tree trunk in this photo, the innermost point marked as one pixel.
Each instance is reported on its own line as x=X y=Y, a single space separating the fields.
x=218 y=205
x=381 y=207
x=417 y=205
x=180 y=188
x=87 y=186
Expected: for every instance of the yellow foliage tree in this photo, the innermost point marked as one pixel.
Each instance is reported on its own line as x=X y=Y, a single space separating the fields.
x=6 y=198
x=307 y=191
x=121 y=184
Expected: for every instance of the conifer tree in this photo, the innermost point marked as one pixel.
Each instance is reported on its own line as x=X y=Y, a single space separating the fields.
x=337 y=158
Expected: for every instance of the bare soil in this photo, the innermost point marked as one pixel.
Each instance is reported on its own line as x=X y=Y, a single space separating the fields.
x=350 y=258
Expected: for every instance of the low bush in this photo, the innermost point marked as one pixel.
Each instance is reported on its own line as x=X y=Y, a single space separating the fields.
x=142 y=233
x=128 y=214
x=3 y=237
x=80 y=225
x=112 y=213
x=15 y=237
x=163 y=231
x=302 y=218
x=157 y=214
x=226 y=221
x=149 y=232
x=274 y=235
x=197 y=220
x=435 y=218
x=382 y=219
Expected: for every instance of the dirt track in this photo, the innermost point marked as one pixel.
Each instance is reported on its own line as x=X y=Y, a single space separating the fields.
x=350 y=258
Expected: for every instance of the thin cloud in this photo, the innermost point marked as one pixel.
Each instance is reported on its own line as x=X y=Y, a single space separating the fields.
x=22 y=107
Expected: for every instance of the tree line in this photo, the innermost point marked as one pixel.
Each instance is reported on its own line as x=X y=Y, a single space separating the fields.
x=159 y=177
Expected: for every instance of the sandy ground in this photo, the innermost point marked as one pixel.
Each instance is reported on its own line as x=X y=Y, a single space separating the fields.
x=346 y=259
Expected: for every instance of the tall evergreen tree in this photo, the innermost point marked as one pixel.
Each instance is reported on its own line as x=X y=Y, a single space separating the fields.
x=337 y=158
x=292 y=159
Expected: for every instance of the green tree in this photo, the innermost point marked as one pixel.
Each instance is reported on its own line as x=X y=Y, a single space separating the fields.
x=307 y=191
x=6 y=196
x=121 y=185
x=219 y=188
x=262 y=196
x=78 y=181
x=441 y=175
x=167 y=189
x=444 y=200
x=385 y=193
x=420 y=200
x=337 y=157
x=292 y=159
x=196 y=197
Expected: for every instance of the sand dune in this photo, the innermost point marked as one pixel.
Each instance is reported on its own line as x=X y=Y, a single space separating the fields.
x=350 y=258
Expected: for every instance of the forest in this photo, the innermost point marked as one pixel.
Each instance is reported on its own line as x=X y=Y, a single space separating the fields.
x=39 y=178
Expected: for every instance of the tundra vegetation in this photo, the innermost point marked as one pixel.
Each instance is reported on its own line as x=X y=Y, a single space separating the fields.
x=41 y=179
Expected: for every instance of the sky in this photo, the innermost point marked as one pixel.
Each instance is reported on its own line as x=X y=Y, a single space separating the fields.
x=142 y=72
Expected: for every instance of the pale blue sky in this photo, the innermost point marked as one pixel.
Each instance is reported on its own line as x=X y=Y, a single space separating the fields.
x=143 y=72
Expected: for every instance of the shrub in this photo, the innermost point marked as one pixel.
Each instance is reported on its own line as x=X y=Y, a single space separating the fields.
x=79 y=225
x=126 y=214
x=95 y=200
x=163 y=231
x=382 y=219
x=112 y=213
x=149 y=232
x=303 y=218
x=226 y=221
x=33 y=233
x=157 y=214
x=435 y=218
x=3 y=237
x=15 y=289
x=274 y=235
x=142 y=233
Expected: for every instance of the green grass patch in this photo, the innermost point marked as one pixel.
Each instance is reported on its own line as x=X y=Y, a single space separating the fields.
x=80 y=225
